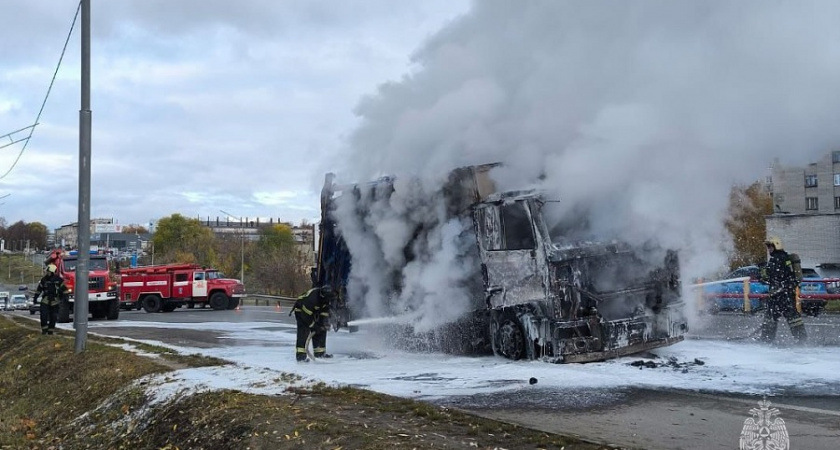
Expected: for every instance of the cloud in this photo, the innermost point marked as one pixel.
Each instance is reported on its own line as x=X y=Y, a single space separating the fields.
x=637 y=115
x=236 y=103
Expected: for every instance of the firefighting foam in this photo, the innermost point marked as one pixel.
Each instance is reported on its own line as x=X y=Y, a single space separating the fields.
x=636 y=118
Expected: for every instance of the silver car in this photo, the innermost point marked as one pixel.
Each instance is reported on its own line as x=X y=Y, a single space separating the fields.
x=18 y=302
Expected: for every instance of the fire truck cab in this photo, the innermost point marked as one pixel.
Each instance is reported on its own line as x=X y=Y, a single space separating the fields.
x=102 y=289
x=166 y=287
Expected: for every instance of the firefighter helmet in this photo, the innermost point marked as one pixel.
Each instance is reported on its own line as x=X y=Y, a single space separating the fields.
x=326 y=290
x=51 y=268
x=775 y=242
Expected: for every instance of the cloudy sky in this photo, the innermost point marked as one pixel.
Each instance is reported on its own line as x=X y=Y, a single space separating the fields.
x=198 y=105
x=640 y=113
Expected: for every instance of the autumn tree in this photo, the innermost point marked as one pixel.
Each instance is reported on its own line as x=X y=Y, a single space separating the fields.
x=136 y=229
x=232 y=252
x=183 y=240
x=748 y=207
x=21 y=235
x=280 y=265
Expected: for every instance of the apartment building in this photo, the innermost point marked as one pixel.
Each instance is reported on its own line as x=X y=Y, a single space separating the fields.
x=807 y=211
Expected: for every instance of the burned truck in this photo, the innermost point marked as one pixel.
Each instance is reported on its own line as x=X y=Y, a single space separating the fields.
x=533 y=295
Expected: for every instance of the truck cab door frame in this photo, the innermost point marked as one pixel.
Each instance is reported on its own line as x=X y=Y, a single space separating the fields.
x=199 y=285
x=511 y=252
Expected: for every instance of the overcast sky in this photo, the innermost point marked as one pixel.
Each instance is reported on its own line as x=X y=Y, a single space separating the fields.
x=198 y=105
x=642 y=113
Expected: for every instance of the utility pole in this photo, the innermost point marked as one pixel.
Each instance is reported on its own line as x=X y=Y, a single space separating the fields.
x=80 y=309
x=241 y=246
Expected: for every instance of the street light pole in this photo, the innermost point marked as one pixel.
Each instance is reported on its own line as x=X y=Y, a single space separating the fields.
x=80 y=309
x=241 y=246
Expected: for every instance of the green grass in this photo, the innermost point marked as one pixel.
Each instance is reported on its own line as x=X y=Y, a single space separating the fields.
x=54 y=398
x=18 y=269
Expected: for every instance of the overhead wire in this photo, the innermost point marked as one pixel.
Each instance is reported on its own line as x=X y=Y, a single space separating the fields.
x=47 y=96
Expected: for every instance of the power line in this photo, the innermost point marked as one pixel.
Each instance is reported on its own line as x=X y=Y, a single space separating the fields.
x=49 y=89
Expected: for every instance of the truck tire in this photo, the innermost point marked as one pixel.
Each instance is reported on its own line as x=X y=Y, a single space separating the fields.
x=64 y=311
x=97 y=310
x=113 y=312
x=507 y=337
x=219 y=301
x=233 y=303
x=152 y=303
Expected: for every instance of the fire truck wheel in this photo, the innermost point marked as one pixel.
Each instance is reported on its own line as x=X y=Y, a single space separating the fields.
x=97 y=311
x=152 y=303
x=113 y=312
x=219 y=301
x=233 y=303
x=63 y=312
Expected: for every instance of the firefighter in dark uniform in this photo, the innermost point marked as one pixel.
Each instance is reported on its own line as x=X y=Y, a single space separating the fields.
x=779 y=274
x=312 y=313
x=52 y=290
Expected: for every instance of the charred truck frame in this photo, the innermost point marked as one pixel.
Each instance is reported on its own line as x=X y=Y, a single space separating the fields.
x=537 y=299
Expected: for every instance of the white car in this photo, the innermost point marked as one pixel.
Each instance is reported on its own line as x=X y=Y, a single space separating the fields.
x=18 y=302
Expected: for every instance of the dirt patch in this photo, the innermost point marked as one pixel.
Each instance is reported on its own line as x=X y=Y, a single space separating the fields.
x=55 y=399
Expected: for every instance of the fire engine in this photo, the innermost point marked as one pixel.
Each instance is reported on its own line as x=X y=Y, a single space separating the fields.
x=166 y=287
x=102 y=289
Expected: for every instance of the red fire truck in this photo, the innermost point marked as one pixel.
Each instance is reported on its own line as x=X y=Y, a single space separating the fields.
x=166 y=287
x=102 y=289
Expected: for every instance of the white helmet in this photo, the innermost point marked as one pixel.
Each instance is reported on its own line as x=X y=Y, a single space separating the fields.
x=775 y=242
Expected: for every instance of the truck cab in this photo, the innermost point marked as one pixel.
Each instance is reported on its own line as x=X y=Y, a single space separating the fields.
x=102 y=288
x=535 y=295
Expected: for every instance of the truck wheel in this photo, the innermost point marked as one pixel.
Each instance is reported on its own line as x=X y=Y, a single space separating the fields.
x=63 y=311
x=152 y=303
x=508 y=339
x=96 y=310
x=113 y=312
x=219 y=301
x=233 y=303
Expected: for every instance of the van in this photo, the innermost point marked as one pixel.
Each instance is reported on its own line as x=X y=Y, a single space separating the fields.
x=4 y=301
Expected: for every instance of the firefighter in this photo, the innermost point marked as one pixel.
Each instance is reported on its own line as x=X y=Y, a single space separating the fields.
x=53 y=290
x=779 y=274
x=312 y=313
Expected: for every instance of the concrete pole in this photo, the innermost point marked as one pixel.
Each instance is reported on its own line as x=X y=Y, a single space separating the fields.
x=80 y=312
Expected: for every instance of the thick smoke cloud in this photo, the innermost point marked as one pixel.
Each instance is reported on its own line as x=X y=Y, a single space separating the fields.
x=639 y=115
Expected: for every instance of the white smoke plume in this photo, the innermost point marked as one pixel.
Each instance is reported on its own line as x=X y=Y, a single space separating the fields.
x=638 y=114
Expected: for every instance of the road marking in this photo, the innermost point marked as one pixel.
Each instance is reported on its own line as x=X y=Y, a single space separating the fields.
x=806 y=409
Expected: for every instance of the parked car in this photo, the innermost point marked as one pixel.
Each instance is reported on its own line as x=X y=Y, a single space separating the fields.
x=729 y=296
x=19 y=302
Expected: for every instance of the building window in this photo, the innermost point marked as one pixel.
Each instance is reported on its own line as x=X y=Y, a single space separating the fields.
x=836 y=202
x=835 y=157
x=812 y=203
x=810 y=181
x=837 y=179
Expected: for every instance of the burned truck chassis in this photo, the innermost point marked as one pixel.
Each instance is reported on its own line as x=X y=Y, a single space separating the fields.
x=537 y=300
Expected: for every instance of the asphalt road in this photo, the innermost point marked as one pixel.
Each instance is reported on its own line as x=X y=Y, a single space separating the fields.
x=637 y=418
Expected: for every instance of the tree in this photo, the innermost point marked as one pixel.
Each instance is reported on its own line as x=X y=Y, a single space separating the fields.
x=179 y=239
x=20 y=234
x=278 y=236
x=136 y=229
x=748 y=207
x=38 y=235
x=280 y=265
